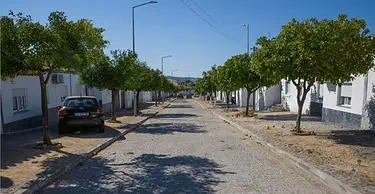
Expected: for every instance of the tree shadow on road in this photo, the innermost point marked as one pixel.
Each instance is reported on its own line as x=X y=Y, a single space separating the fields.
x=180 y=106
x=169 y=128
x=148 y=173
x=174 y=116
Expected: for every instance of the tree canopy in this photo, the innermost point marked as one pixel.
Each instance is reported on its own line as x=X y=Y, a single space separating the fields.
x=328 y=51
x=61 y=45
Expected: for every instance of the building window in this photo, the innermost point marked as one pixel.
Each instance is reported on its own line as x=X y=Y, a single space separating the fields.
x=15 y=106
x=345 y=94
x=19 y=99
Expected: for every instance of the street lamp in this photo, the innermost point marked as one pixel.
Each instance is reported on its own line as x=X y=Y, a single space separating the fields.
x=162 y=62
x=149 y=2
x=248 y=38
x=174 y=71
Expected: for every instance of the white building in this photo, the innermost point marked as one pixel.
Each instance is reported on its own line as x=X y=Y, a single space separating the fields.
x=21 y=99
x=346 y=104
x=313 y=103
x=265 y=97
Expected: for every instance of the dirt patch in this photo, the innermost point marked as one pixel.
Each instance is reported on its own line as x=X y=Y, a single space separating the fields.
x=347 y=154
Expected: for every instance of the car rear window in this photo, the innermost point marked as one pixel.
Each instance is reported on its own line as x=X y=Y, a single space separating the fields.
x=80 y=102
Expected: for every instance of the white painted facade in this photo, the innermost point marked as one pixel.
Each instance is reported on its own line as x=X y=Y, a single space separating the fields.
x=26 y=89
x=360 y=93
x=265 y=97
x=289 y=96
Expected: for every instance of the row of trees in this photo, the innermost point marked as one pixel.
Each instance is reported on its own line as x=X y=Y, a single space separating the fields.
x=304 y=52
x=124 y=71
x=62 y=45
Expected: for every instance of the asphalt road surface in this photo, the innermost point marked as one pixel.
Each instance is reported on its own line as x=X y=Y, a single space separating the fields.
x=186 y=149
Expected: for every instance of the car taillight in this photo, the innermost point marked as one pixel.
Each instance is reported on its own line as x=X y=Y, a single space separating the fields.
x=100 y=111
x=62 y=112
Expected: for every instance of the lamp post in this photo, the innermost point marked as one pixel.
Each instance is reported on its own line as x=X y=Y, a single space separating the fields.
x=149 y=2
x=248 y=37
x=174 y=71
x=162 y=71
x=142 y=4
x=162 y=62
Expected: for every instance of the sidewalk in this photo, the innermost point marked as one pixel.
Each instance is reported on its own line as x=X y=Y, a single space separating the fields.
x=347 y=154
x=22 y=165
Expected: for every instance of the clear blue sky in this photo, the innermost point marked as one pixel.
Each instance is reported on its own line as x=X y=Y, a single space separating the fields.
x=170 y=28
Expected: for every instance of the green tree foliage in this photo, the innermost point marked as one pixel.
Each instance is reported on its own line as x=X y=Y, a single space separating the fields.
x=246 y=77
x=207 y=84
x=155 y=82
x=227 y=80
x=112 y=74
x=139 y=81
x=61 y=45
x=331 y=51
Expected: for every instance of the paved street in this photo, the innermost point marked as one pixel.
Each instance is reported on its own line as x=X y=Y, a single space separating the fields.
x=186 y=149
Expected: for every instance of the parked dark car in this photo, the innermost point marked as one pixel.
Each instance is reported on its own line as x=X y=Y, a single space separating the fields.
x=180 y=96
x=81 y=111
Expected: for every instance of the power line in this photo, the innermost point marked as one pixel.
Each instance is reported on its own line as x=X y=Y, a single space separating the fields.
x=212 y=26
x=208 y=15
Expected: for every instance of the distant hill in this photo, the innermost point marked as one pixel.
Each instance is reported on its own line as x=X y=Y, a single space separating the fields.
x=182 y=78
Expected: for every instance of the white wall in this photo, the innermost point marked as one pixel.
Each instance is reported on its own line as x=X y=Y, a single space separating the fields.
x=273 y=95
x=330 y=97
x=32 y=85
x=265 y=97
x=55 y=94
x=289 y=99
x=371 y=83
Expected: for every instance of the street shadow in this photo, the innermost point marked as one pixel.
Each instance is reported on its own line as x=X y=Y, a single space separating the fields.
x=14 y=154
x=6 y=182
x=174 y=116
x=53 y=164
x=168 y=128
x=148 y=173
x=288 y=117
x=130 y=111
x=90 y=132
x=363 y=138
x=221 y=105
x=180 y=106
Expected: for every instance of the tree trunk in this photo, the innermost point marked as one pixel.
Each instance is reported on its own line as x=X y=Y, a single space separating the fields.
x=299 y=116
x=253 y=99
x=135 y=103
x=227 y=94
x=247 y=103
x=114 y=96
x=300 y=102
x=43 y=89
x=156 y=99
x=138 y=99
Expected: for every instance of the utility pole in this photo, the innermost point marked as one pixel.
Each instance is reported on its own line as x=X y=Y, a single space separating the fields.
x=248 y=37
x=135 y=97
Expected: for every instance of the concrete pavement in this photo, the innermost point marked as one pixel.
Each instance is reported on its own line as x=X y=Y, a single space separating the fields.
x=185 y=149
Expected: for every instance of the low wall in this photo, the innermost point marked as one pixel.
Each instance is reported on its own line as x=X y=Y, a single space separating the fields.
x=342 y=118
x=31 y=122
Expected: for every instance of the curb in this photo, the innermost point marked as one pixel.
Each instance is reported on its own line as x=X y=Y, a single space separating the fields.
x=325 y=178
x=60 y=172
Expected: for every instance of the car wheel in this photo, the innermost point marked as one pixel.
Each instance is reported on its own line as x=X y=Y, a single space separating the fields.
x=62 y=128
x=101 y=129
